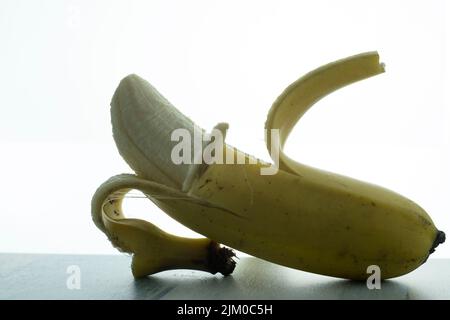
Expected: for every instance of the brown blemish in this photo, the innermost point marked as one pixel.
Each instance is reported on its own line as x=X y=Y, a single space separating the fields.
x=204 y=184
x=342 y=254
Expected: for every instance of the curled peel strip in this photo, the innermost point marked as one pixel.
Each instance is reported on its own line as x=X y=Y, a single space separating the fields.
x=297 y=98
x=153 y=249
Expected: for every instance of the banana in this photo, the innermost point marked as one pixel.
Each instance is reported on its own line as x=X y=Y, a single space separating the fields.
x=299 y=217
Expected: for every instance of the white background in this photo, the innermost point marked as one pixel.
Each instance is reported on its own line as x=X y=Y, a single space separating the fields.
x=61 y=61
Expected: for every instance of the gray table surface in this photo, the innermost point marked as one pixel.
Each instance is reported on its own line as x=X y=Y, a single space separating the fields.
x=34 y=276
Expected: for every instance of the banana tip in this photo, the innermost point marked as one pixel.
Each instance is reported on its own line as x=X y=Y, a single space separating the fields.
x=440 y=238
